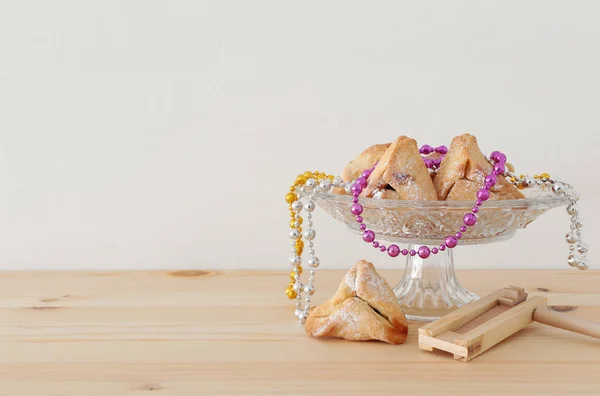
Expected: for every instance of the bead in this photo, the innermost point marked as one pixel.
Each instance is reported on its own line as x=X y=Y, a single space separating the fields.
x=499 y=169
x=310 y=206
x=382 y=248
x=428 y=163
x=362 y=181
x=558 y=189
x=375 y=244
x=301 y=179
x=573 y=196
x=297 y=312
x=572 y=209
x=426 y=149
x=363 y=227
x=297 y=287
x=293 y=275
x=424 y=252
x=368 y=236
x=413 y=252
x=545 y=176
x=356 y=189
x=478 y=202
x=434 y=251
x=470 y=219
x=293 y=223
x=436 y=162
x=442 y=248
x=299 y=269
x=338 y=181
x=313 y=262
x=299 y=244
x=356 y=209
x=441 y=150
x=359 y=219
x=483 y=194
x=393 y=250
x=498 y=157
x=310 y=289
x=325 y=185
x=347 y=189
x=295 y=260
x=404 y=252
x=295 y=234
x=366 y=173
x=291 y=197
x=458 y=235
x=354 y=199
x=578 y=224
x=583 y=265
x=451 y=241
x=297 y=206
x=571 y=237
x=581 y=247
x=310 y=184
x=302 y=318
x=573 y=260
x=291 y=293
x=475 y=209
x=309 y=235
x=490 y=180
x=463 y=229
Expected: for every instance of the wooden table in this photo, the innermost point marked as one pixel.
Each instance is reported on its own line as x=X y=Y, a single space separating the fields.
x=233 y=333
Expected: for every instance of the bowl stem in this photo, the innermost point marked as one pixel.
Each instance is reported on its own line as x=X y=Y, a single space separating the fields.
x=429 y=288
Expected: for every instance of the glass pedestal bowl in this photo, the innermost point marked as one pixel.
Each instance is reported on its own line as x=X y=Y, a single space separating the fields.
x=429 y=288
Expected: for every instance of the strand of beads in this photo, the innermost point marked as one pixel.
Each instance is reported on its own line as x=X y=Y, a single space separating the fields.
x=469 y=219
x=577 y=247
x=433 y=163
x=305 y=186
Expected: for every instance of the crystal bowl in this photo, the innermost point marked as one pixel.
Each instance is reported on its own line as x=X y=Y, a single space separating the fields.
x=429 y=288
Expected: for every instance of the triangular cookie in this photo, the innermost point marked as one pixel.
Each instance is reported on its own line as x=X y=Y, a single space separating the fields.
x=363 y=308
x=463 y=171
x=365 y=160
x=401 y=167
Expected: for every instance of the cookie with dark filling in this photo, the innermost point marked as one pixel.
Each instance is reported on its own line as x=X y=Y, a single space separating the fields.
x=401 y=168
x=363 y=308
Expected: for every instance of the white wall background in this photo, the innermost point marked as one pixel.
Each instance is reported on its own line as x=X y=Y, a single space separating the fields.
x=164 y=134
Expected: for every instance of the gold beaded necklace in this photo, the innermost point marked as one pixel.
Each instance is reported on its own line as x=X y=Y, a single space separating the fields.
x=296 y=220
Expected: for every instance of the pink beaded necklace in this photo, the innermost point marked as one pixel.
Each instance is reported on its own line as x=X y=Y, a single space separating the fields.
x=469 y=219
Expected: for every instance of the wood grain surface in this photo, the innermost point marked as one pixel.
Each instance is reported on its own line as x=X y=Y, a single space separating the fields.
x=233 y=333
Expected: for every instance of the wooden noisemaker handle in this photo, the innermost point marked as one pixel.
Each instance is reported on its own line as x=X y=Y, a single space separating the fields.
x=565 y=322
